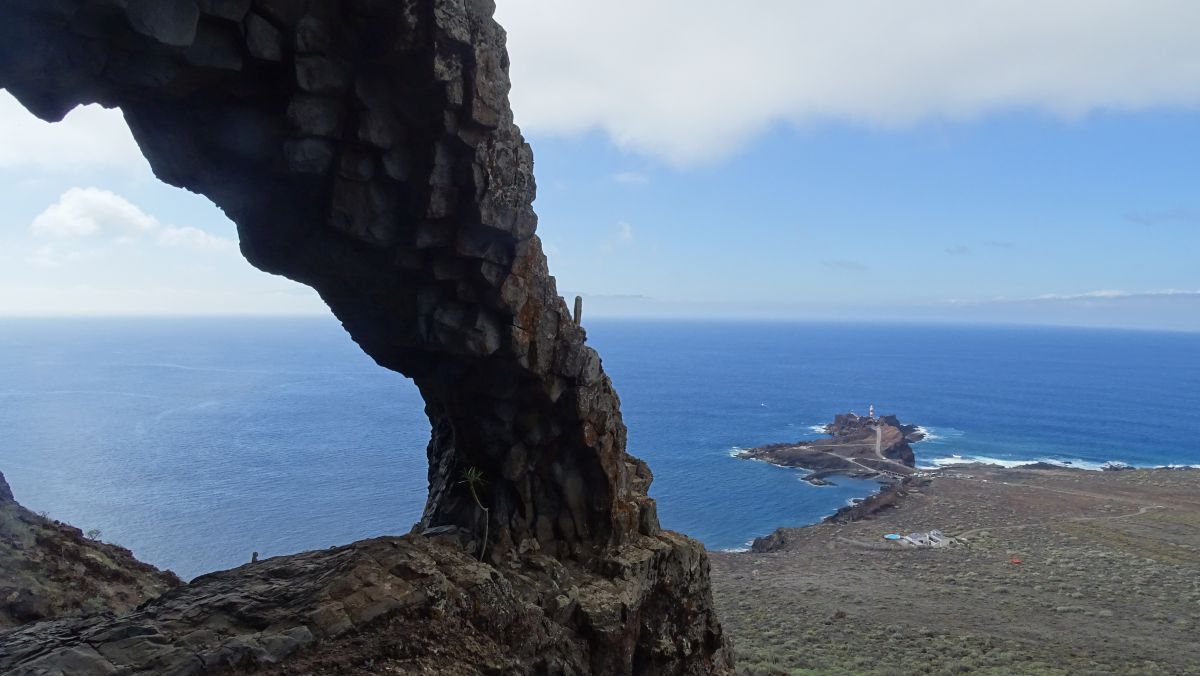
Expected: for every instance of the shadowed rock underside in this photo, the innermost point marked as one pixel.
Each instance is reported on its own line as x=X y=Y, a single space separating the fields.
x=366 y=148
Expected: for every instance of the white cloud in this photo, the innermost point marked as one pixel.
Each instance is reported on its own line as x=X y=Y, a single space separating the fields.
x=693 y=80
x=631 y=178
x=1098 y=295
x=90 y=137
x=81 y=212
x=249 y=297
x=92 y=212
x=196 y=239
x=624 y=232
x=622 y=237
x=1113 y=293
x=50 y=257
x=1103 y=293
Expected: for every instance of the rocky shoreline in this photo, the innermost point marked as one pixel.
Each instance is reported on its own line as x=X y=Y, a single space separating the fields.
x=860 y=447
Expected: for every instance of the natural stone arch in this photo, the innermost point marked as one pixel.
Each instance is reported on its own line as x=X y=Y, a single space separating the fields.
x=366 y=148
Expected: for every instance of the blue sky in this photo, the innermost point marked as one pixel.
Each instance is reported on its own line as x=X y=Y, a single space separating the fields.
x=939 y=161
x=835 y=220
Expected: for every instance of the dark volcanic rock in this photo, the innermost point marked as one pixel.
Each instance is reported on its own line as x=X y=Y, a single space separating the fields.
x=399 y=605
x=888 y=497
x=1039 y=465
x=49 y=569
x=6 y=494
x=778 y=540
x=432 y=265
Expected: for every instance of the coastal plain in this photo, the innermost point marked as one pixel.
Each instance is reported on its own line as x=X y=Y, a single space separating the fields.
x=1056 y=571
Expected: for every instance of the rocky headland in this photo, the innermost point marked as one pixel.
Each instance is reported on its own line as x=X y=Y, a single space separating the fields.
x=49 y=570
x=858 y=446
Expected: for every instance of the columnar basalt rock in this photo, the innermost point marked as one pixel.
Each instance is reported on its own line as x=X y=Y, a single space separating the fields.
x=366 y=148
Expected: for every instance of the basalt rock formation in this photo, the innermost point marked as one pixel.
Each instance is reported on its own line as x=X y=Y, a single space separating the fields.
x=50 y=570
x=366 y=148
x=400 y=605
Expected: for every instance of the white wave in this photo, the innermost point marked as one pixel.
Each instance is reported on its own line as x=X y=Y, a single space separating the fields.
x=819 y=429
x=939 y=433
x=1076 y=463
x=735 y=550
x=927 y=434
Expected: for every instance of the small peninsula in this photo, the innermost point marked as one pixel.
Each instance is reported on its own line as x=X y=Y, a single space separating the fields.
x=861 y=447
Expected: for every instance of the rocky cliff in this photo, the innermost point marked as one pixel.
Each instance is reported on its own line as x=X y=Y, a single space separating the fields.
x=49 y=570
x=366 y=148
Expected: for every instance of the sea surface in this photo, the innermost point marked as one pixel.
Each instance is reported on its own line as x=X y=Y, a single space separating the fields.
x=195 y=442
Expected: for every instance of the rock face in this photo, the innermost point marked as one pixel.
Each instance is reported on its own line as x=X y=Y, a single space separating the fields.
x=398 y=605
x=858 y=446
x=6 y=494
x=49 y=569
x=366 y=148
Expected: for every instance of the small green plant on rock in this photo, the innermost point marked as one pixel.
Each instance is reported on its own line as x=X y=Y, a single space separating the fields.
x=93 y=534
x=474 y=480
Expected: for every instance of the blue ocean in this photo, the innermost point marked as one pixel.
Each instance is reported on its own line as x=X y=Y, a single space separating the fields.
x=195 y=442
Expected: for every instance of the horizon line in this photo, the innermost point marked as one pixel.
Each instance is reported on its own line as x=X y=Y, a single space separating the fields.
x=748 y=319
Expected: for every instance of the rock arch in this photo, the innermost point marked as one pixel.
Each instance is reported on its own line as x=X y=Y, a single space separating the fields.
x=366 y=148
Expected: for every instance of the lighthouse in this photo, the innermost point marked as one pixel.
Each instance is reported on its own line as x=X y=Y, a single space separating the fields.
x=871 y=412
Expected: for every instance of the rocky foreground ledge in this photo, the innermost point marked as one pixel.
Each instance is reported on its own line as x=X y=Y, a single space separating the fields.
x=864 y=447
x=410 y=604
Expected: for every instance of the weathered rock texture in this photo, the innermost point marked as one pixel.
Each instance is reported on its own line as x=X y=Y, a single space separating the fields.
x=400 y=605
x=366 y=148
x=49 y=569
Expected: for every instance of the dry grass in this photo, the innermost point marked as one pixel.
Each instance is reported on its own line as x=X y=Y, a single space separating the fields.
x=1107 y=582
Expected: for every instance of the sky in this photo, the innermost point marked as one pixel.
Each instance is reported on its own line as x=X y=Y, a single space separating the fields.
x=935 y=160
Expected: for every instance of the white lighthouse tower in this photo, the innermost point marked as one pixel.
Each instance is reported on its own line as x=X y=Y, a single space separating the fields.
x=871 y=412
